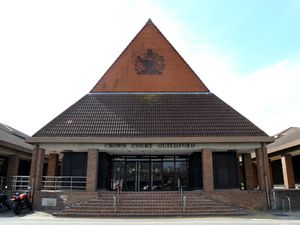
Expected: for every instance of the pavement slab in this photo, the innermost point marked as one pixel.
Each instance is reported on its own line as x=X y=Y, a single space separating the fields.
x=253 y=217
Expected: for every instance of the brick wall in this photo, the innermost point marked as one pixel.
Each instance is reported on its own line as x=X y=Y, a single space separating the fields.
x=207 y=170
x=64 y=199
x=92 y=169
x=251 y=199
x=176 y=76
x=53 y=165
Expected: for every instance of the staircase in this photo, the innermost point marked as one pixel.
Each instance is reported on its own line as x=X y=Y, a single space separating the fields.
x=150 y=204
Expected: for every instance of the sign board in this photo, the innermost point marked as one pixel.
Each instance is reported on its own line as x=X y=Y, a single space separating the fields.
x=49 y=201
x=151 y=146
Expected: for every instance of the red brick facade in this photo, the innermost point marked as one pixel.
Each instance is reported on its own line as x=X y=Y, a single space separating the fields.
x=288 y=172
x=249 y=176
x=176 y=76
x=13 y=166
x=53 y=160
x=207 y=170
x=92 y=169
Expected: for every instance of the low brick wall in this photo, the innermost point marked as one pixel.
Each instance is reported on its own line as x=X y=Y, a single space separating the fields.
x=252 y=199
x=63 y=199
x=279 y=194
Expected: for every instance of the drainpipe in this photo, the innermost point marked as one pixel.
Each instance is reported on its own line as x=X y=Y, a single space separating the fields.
x=265 y=176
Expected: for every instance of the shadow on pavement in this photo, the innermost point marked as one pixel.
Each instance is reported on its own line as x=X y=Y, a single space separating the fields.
x=10 y=213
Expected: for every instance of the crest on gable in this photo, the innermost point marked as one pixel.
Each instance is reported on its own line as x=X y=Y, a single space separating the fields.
x=150 y=63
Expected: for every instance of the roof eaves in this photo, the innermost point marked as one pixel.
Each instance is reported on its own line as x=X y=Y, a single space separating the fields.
x=241 y=139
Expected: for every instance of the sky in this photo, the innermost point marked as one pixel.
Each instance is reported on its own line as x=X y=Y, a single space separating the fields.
x=246 y=52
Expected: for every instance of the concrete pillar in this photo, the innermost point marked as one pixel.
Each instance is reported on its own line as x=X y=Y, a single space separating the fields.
x=260 y=169
x=207 y=170
x=266 y=166
x=37 y=167
x=92 y=170
x=249 y=176
x=53 y=160
x=263 y=171
x=287 y=170
x=33 y=162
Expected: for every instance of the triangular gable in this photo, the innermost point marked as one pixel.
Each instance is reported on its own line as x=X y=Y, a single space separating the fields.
x=150 y=64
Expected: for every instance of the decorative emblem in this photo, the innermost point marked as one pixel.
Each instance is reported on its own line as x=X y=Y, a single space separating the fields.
x=150 y=63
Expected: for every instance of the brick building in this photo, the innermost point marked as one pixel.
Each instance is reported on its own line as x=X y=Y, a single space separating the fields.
x=284 y=156
x=151 y=124
x=15 y=154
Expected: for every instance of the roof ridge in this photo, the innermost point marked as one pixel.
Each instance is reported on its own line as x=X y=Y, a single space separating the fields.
x=285 y=132
x=153 y=93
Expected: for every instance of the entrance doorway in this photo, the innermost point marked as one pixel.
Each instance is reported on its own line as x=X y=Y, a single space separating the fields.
x=150 y=173
x=138 y=177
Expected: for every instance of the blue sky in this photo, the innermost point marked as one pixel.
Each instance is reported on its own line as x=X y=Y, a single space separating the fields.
x=257 y=32
x=53 y=52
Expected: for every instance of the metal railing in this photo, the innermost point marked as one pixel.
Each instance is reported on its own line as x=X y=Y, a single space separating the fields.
x=276 y=201
x=64 y=183
x=117 y=195
x=289 y=202
x=20 y=183
x=183 y=198
x=2 y=182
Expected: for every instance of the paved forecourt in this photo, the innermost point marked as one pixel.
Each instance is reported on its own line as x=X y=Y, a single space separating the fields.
x=41 y=218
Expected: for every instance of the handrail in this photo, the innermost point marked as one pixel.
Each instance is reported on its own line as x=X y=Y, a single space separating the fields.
x=20 y=183
x=70 y=183
x=183 y=198
x=277 y=201
x=117 y=195
x=289 y=201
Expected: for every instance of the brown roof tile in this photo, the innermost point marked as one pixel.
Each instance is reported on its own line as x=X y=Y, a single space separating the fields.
x=149 y=115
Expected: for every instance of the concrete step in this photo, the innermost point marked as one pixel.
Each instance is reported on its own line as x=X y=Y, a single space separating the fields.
x=149 y=204
x=161 y=213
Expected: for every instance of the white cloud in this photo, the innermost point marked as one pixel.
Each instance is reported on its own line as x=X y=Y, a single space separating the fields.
x=53 y=52
x=272 y=94
x=269 y=96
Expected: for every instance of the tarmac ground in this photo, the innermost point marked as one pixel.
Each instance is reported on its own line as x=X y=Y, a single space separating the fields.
x=252 y=217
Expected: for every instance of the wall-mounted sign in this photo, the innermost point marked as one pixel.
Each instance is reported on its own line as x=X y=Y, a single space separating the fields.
x=151 y=146
x=150 y=63
x=49 y=201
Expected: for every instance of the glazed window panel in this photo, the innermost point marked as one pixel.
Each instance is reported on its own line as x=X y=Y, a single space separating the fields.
x=74 y=164
x=225 y=166
x=168 y=174
x=277 y=172
x=181 y=169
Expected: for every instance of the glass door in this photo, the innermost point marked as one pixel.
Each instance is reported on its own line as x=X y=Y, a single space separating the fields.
x=144 y=176
x=168 y=174
x=150 y=173
x=131 y=176
x=156 y=176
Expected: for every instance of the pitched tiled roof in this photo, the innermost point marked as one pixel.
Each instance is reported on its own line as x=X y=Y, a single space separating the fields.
x=14 y=137
x=285 y=139
x=150 y=115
